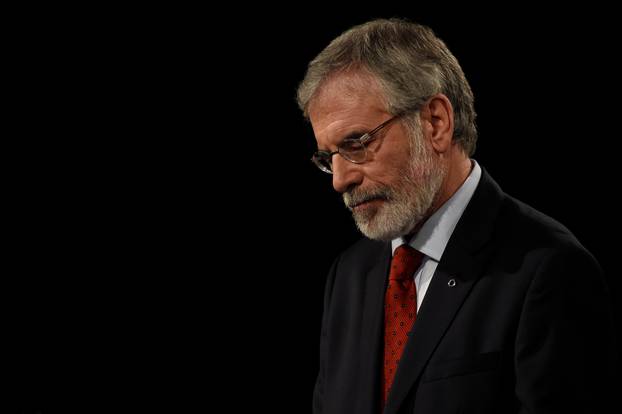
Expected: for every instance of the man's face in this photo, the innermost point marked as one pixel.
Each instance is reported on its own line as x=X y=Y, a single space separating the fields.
x=392 y=192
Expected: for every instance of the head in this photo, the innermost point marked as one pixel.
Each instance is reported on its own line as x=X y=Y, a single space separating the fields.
x=366 y=76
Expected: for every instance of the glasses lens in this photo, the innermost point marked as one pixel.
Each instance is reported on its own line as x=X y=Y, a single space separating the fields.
x=322 y=162
x=353 y=150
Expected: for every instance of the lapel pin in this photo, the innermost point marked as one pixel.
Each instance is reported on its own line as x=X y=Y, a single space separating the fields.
x=451 y=283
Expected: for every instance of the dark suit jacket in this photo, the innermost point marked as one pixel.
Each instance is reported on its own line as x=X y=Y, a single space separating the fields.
x=527 y=327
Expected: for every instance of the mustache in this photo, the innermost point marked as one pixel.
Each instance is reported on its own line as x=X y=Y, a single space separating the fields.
x=358 y=196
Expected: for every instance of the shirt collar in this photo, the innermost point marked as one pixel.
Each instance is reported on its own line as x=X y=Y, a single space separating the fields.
x=436 y=231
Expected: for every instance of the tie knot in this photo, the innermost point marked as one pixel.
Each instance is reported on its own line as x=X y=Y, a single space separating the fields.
x=406 y=261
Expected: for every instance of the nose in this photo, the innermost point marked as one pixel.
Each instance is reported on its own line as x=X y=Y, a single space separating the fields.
x=345 y=174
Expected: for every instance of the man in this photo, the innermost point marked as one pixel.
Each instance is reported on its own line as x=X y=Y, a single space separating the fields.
x=460 y=299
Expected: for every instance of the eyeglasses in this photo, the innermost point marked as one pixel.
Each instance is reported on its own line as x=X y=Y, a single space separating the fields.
x=352 y=149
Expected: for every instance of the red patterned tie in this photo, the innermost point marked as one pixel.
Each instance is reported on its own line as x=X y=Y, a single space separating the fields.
x=400 y=310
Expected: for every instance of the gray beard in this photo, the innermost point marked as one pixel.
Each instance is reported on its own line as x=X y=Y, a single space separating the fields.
x=405 y=206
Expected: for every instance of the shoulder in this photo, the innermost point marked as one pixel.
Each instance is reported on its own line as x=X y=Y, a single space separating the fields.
x=520 y=236
x=524 y=224
x=516 y=222
x=541 y=247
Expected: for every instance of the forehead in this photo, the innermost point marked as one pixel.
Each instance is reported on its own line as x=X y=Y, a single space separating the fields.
x=346 y=97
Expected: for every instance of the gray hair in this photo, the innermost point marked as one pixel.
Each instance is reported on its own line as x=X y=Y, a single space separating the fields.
x=409 y=62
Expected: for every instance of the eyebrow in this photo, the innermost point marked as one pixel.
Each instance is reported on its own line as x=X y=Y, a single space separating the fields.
x=350 y=135
x=353 y=135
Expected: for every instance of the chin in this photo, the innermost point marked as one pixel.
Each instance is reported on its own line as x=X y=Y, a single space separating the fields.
x=383 y=231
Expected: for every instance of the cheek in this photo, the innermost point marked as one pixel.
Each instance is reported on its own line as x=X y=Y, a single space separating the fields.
x=396 y=166
x=391 y=172
x=419 y=170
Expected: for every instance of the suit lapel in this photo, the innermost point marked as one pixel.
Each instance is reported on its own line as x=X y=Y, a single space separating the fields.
x=371 y=335
x=458 y=270
x=447 y=291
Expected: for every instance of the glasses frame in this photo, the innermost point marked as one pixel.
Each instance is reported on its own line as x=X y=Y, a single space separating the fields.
x=319 y=157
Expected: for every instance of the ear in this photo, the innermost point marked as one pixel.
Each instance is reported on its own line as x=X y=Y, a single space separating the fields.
x=438 y=118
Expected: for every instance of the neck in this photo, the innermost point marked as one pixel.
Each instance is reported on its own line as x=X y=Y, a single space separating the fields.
x=457 y=173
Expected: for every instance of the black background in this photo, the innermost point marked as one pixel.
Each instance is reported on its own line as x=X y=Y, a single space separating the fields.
x=170 y=235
